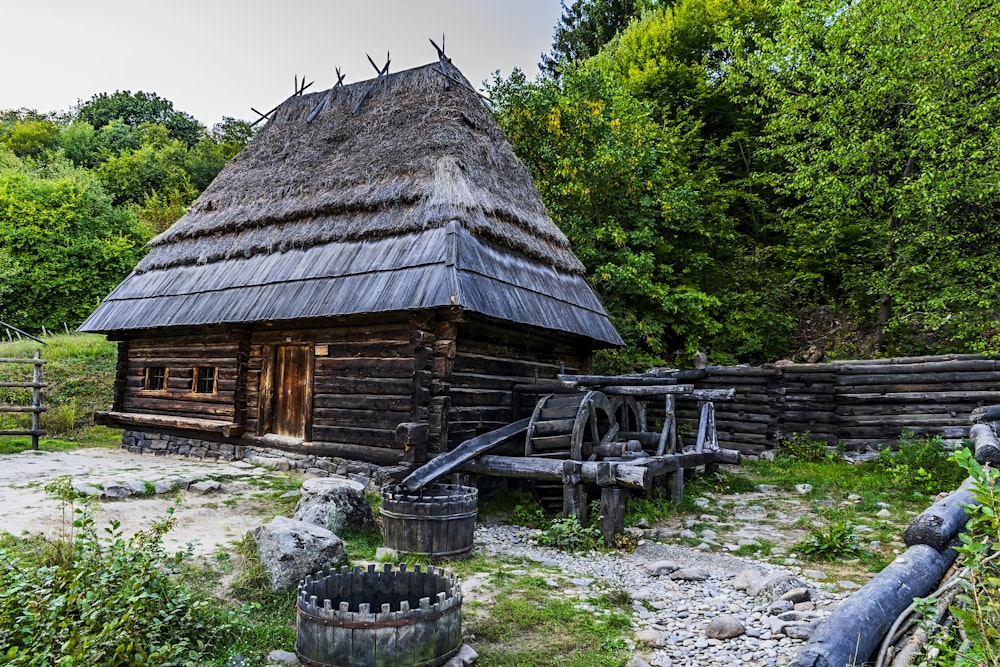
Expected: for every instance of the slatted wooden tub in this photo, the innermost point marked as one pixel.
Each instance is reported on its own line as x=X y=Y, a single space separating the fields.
x=438 y=521
x=379 y=618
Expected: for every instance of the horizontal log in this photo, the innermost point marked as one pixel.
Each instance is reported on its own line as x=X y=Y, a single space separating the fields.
x=22 y=408
x=126 y=419
x=904 y=419
x=854 y=630
x=362 y=402
x=36 y=362
x=597 y=381
x=23 y=385
x=381 y=419
x=377 y=386
x=875 y=368
x=920 y=397
x=917 y=378
x=741 y=371
x=951 y=409
x=467 y=397
x=378 y=455
x=938 y=525
x=540 y=469
x=27 y=431
x=985 y=413
x=655 y=390
x=355 y=436
x=987 y=449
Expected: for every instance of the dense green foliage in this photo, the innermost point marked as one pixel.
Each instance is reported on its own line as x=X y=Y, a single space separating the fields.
x=780 y=173
x=81 y=194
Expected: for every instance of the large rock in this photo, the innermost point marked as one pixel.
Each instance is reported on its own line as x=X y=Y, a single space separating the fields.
x=290 y=549
x=334 y=503
x=773 y=585
x=726 y=626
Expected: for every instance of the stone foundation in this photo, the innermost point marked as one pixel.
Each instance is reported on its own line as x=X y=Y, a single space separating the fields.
x=159 y=444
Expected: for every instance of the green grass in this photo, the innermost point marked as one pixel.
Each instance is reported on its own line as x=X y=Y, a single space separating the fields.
x=79 y=372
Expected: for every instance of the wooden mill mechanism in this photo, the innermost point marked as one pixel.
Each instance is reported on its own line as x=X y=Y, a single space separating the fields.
x=588 y=436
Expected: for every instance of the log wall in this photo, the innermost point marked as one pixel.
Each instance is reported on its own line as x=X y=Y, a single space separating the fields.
x=862 y=404
x=488 y=361
x=180 y=355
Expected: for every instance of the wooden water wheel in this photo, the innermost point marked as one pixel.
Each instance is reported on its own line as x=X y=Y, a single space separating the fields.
x=572 y=427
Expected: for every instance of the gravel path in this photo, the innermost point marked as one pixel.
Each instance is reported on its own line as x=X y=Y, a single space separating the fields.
x=670 y=615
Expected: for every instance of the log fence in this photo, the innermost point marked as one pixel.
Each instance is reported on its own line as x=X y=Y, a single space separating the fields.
x=860 y=404
x=35 y=409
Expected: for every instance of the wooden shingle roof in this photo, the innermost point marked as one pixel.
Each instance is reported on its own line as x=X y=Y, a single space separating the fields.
x=415 y=201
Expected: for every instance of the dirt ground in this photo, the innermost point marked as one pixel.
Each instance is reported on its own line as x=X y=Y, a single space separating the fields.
x=206 y=520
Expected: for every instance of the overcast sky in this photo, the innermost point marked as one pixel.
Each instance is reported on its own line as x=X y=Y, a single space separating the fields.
x=215 y=58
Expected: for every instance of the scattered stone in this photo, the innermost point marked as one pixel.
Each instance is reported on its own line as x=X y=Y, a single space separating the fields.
x=800 y=630
x=773 y=585
x=709 y=534
x=163 y=486
x=650 y=637
x=744 y=578
x=690 y=574
x=289 y=550
x=294 y=493
x=335 y=503
x=286 y=658
x=883 y=505
x=138 y=488
x=804 y=606
x=205 y=487
x=816 y=575
x=726 y=626
x=848 y=585
x=85 y=489
x=702 y=502
x=642 y=524
x=780 y=606
x=797 y=595
x=883 y=514
x=465 y=657
x=687 y=535
x=636 y=661
x=803 y=489
x=855 y=498
x=660 y=567
x=764 y=488
x=116 y=491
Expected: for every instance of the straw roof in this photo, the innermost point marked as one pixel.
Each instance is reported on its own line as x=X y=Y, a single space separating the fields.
x=392 y=188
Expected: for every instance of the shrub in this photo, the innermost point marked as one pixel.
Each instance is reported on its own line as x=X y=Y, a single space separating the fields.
x=974 y=640
x=919 y=464
x=804 y=448
x=567 y=534
x=88 y=600
x=834 y=539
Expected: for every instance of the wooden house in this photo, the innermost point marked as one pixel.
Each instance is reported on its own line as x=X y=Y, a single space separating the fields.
x=372 y=274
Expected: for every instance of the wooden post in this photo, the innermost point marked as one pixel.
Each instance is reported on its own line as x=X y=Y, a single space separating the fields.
x=36 y=398
x=677 y=486
x=574 y=492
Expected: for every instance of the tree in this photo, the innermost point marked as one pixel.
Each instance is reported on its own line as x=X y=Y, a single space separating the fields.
x=32 y=137
x=134 y=109
x=611 y=178
x=63 y=245
x=586 y=26
x=879 y=123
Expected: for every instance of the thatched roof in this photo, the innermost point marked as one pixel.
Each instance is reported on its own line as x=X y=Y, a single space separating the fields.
x=400 y=194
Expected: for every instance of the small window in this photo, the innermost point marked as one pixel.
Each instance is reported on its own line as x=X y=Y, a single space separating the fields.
x=204 y=379
x=156 y=378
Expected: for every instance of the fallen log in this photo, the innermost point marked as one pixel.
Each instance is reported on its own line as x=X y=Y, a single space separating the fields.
x=937 y=525
x=985 y=441
x=985 y=413
x=855 y=629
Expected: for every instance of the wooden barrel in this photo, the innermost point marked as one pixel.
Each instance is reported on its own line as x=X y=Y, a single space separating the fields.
x=438 y=522
x=371 y=618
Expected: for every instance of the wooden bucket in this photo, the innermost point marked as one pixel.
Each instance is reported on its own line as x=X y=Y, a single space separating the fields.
x=387 y=618
x=438 y=522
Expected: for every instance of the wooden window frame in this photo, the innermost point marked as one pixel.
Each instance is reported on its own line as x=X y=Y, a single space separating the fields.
x=197 y=377
x=148 y=376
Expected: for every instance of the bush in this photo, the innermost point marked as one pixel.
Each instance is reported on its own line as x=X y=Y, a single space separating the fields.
x=804 y=448
x=919 y=464
x=567 y=534
x=831 y=541
x=87 y=600
x=974 y=640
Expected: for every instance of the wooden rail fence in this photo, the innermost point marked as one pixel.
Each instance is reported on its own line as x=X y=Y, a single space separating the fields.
x=862 y=404
x=35 y=408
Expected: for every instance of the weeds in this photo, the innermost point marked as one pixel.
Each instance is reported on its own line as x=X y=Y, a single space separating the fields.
x=832 y=540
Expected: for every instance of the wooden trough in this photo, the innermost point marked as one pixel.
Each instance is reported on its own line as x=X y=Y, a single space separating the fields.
x=588 y=435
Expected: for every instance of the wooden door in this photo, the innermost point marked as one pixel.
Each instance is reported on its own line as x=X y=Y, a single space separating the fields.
x=291 y=412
